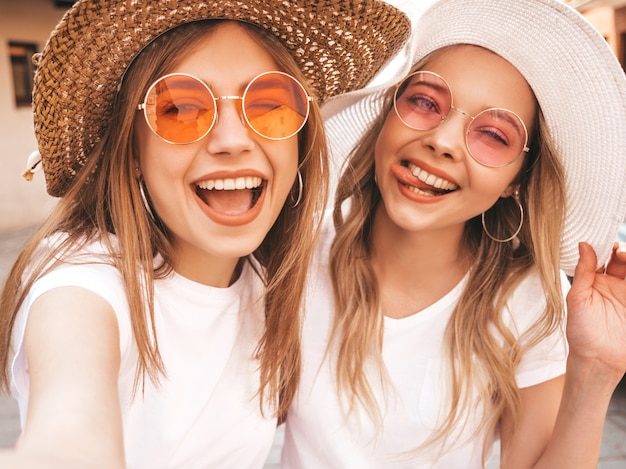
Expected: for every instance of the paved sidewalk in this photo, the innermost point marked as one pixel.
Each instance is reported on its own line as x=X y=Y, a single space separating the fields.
x=613 y=454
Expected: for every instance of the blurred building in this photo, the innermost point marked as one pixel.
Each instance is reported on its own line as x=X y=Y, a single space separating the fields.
x=26 y=24
x=24 y=28
x=609 y=17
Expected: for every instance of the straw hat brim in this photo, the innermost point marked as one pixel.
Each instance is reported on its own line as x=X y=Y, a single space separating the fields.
x=339 y=45
x=578 y=82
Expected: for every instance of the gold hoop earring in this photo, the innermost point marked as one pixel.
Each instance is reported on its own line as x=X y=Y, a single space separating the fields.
x=144 y=199
x=300 y=190
x=521 y=222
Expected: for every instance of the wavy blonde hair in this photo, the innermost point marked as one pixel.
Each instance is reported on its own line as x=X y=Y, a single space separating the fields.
x=483 y=352
x=105 y=198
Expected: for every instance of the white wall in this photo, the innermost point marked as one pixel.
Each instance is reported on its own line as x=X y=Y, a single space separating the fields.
x=22 y=203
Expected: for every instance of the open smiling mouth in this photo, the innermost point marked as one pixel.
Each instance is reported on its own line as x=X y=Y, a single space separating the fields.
x=425 y=183
x=231 y=196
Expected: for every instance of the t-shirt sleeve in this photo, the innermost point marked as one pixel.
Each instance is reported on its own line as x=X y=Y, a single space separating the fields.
x=546 y=359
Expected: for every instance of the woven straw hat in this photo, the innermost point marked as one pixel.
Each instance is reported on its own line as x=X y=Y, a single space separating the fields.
x=338 y=44
x=576 y=78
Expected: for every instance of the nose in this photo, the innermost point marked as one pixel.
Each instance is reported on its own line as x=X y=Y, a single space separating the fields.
x=230 y=134
x=448 y=138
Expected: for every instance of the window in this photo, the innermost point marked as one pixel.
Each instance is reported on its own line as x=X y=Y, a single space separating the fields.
x=23 y=71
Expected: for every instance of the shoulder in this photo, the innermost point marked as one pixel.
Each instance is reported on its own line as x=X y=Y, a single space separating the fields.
x=530 y=292
x=89 y=264
x=86 y=272
x=80 y=281
x=527 y=311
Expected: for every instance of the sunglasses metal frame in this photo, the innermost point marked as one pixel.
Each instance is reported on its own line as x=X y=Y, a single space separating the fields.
x=525 y=148
x=143 y=105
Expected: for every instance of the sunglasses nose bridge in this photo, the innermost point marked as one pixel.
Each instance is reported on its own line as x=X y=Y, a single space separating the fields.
x=448 y=117
x=241 y=111
x=229 y=98
x=462 y=112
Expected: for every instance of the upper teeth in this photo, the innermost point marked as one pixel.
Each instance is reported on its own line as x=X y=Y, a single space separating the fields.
x=231 y=184
x=431 y=179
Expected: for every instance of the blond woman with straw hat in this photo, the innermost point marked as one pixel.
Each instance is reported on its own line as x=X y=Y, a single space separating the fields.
x=153 y=320
x=436 y=319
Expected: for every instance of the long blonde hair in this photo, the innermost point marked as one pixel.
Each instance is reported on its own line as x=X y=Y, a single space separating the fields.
x=105 y=198
x=483 y=352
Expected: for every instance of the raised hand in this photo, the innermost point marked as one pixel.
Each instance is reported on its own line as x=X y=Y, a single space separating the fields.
x=596 y=325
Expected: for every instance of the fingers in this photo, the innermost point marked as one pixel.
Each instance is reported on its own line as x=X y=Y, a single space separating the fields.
x=617 y=263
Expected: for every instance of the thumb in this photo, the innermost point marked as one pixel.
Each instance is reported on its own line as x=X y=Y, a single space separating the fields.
x=585 y=271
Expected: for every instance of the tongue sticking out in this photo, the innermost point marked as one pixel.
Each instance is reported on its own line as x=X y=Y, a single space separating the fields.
x=232 y=202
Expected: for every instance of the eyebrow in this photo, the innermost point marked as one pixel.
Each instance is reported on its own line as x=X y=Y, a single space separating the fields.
x=509 y=116
x=431 y=84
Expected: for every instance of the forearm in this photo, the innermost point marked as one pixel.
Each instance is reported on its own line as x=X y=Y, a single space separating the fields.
x=14 y=459
x=577 y=435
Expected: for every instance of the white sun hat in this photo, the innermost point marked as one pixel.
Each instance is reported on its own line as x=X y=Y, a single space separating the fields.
x=578 y=82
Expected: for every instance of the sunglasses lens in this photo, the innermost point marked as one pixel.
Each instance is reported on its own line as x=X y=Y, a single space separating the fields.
x=422 y=100
x=180 y=108
x=276 y=105
x=496 y=137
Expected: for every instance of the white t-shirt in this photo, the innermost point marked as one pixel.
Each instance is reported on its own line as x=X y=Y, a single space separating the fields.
x=205 y=414
x=317 y=433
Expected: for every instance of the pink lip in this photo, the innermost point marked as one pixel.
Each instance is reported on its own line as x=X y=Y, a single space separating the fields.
x=228 y=219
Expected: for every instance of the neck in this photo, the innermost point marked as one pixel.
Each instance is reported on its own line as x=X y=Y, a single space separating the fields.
x=414 y=268
x=208 y=270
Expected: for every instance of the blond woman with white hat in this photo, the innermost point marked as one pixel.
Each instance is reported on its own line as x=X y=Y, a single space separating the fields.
x=435 y=323
x=153 y=321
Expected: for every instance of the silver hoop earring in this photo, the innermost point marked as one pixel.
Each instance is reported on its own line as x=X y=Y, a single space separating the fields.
x=521 y=222
x=144 y=199
x=300 y=190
